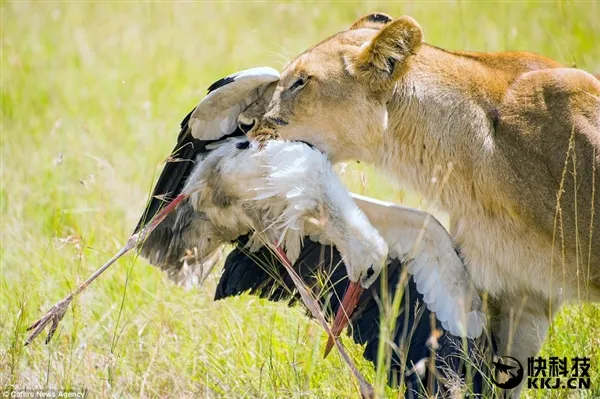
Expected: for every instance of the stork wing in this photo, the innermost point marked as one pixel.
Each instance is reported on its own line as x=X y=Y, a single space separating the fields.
x=216 y=115
x=421 y=243
x=214 y=119
x=321 y=267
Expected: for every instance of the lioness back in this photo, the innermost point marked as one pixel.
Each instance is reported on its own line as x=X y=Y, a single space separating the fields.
x=549 y=132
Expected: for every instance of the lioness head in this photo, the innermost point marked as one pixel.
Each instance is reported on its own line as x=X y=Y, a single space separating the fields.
x=334 y=95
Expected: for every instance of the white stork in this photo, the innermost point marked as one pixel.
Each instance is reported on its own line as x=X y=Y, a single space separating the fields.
x=221 y=188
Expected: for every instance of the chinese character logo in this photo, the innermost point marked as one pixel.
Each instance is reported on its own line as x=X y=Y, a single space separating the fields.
x=509 y=372
x=556 y=373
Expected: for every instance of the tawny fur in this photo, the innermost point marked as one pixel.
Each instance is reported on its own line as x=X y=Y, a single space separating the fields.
x=516 y=135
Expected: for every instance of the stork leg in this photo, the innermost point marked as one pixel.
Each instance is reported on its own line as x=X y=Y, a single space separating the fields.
x=57 y=312
x=312 y=304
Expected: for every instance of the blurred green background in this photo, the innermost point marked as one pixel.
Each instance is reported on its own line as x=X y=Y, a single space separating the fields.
x=92 y=95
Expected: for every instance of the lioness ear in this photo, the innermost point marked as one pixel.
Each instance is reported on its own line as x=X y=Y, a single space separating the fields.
x=374 y=21
x=386 y=58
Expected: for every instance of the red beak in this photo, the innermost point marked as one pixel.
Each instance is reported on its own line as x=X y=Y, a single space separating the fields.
x=342 y=318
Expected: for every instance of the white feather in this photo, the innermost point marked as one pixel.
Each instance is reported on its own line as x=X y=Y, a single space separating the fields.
x=419 y=240
x=217 y=114
x=305 y=178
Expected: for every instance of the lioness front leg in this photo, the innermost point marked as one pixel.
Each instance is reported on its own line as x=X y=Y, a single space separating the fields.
x=520 y=324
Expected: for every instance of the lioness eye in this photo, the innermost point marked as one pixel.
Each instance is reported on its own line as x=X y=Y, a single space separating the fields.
x=298 y=84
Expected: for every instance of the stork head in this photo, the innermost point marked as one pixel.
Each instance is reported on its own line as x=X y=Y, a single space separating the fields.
x=335 y=95
x=365 y=253
x=363 y=249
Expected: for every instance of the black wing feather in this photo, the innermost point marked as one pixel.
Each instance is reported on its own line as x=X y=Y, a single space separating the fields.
x=262 y=274
x=177 y=169
x=220 y=83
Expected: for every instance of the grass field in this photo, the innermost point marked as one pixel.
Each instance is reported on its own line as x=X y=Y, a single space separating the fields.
x=92 y=95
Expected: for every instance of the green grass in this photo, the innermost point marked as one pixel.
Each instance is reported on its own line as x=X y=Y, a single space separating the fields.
x=92 y=94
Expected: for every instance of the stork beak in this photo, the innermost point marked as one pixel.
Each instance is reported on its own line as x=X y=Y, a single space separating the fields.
x=349 y=303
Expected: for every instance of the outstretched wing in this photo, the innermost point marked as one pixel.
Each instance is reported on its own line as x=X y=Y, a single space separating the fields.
x=420 y=242
x=213 y=119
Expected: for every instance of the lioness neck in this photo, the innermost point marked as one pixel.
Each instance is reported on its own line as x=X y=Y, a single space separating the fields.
x=441 y=123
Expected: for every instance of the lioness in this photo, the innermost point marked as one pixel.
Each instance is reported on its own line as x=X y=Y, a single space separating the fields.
x=514 y=137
